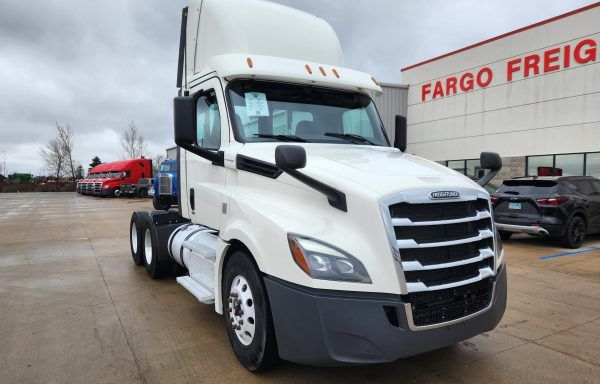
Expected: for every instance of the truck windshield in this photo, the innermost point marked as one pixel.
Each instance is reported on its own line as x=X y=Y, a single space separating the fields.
x=269 y=111
x=168 y=168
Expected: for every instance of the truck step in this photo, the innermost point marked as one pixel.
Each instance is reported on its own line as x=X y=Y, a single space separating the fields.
x=203 y=294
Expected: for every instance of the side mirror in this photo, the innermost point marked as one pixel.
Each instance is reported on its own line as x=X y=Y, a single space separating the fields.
x=290 y=157
x=185 y=129
x=491 y=161
x=185 y=120
x=400 y=133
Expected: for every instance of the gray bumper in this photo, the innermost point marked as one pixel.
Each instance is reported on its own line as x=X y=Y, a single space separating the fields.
x=531 y=230
x=330 y=328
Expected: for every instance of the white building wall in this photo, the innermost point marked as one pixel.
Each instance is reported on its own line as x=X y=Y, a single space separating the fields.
x=553 y=112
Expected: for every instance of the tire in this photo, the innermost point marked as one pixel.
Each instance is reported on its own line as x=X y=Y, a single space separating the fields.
x=161 y=203
x=116 y=193
x=155 y=268
x=575 y=233
x=143 y=192
x=254 y=343
x=136 y=228
x=505 y=235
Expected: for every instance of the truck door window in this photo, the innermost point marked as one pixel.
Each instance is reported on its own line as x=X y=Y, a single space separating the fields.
x=208 y=120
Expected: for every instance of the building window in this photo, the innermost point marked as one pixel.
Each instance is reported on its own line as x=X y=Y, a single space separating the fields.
x=569 y=165
x=592 y=164
x=457 y=165
x=540 y=165
x=473 y=169
x=572 y=164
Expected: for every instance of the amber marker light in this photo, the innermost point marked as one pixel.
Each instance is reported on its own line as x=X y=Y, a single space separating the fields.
x=374 y=81
x=323 y=71
x=298 y=255
x=335 y=72
x=250 y=63
x=308 y=69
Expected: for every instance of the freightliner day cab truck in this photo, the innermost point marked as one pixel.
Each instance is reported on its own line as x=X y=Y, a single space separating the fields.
x=316 y=238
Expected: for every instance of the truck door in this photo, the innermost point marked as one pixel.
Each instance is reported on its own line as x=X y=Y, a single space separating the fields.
x=205 y=181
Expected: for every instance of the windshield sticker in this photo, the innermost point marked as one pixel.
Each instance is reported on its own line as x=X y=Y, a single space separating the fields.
x=256 y=104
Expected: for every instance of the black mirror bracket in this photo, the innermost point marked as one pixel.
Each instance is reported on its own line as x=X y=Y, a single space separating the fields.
x=289 y=158
x=491 y=161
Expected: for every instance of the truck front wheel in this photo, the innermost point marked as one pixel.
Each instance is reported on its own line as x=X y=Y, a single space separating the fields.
x=247 y=314
x=161 y=203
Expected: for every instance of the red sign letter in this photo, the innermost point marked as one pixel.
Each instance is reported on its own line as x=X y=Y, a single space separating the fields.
x=531 y=62
x=438 y=90
x=487 y=82
x=590 y=53
x=512 y=66
x=551 y=56
x=425 y=89
x=451 y=86
x=466 y=82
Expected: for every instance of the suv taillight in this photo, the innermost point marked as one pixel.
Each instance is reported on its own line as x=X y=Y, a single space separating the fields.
x=494 y=199
x=553 y=202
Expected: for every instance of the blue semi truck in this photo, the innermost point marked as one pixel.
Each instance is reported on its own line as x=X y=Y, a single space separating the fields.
x=165 y=185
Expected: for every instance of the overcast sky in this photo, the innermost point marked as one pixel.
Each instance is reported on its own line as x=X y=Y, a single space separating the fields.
x=97 y=65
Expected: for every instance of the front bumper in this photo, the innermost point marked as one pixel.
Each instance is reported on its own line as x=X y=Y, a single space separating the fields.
x=330 y=328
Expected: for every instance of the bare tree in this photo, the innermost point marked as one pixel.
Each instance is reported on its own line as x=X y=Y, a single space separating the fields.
x=54 y=158
x=133 y=144
x=65 y=137
x=156 y=163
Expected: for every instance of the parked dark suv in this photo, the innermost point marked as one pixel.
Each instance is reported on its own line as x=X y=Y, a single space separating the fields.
x=564 y=207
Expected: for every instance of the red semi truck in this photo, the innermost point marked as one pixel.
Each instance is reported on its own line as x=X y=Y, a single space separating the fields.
x=106 y=179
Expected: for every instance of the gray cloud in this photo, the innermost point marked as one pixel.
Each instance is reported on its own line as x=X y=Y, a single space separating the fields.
x=99 y=65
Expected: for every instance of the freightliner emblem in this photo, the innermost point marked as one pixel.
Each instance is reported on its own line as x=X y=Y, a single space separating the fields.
x=444 y=195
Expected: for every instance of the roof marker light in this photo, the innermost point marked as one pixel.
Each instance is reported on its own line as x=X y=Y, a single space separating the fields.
x=323 y=71
x=249 y=61
x=308 y=69
x=335 y=72
x=375 y=81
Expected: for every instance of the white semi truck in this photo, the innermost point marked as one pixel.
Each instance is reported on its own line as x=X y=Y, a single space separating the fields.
x=316 y=238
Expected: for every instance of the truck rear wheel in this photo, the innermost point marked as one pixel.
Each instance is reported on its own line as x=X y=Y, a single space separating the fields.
x=247 y=314
x=155 y=267
x=136 y=228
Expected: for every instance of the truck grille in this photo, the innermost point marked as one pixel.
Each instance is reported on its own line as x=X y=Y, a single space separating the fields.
x=446 y=250
x=450 y=304
x=97 y=187
x=165 y=184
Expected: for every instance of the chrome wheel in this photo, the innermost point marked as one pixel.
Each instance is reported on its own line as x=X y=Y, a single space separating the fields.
x=241 y=310
x=134 y=244
x=148 y=247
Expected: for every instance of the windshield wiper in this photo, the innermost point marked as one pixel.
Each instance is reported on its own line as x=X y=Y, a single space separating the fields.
x=281 y=137
x=350 y=137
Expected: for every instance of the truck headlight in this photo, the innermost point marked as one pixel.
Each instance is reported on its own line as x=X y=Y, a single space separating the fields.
x=323 y=261
x=499 y=249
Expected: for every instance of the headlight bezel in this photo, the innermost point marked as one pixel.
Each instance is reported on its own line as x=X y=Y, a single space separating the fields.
x=324 y=261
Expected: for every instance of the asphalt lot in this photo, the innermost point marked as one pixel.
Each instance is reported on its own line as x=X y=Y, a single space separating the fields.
x=74 y=309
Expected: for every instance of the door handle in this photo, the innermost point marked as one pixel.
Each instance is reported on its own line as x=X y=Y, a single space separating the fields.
x=192 y=203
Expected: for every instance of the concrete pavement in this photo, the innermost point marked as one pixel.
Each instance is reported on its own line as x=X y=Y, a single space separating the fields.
x=74 y=309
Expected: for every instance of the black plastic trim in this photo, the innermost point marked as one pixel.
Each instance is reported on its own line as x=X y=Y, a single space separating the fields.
x=336 y=198
x=259 y=167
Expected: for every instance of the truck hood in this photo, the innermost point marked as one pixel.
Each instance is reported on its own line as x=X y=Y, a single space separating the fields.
x=383 y=170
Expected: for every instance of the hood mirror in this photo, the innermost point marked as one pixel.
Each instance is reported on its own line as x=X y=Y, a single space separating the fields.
x=290 y=157
x=491 y=161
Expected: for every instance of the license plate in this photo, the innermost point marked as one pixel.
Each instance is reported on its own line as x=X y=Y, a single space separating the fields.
x=514 y=205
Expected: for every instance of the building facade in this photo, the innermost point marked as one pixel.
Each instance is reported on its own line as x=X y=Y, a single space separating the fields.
x=532 y=95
